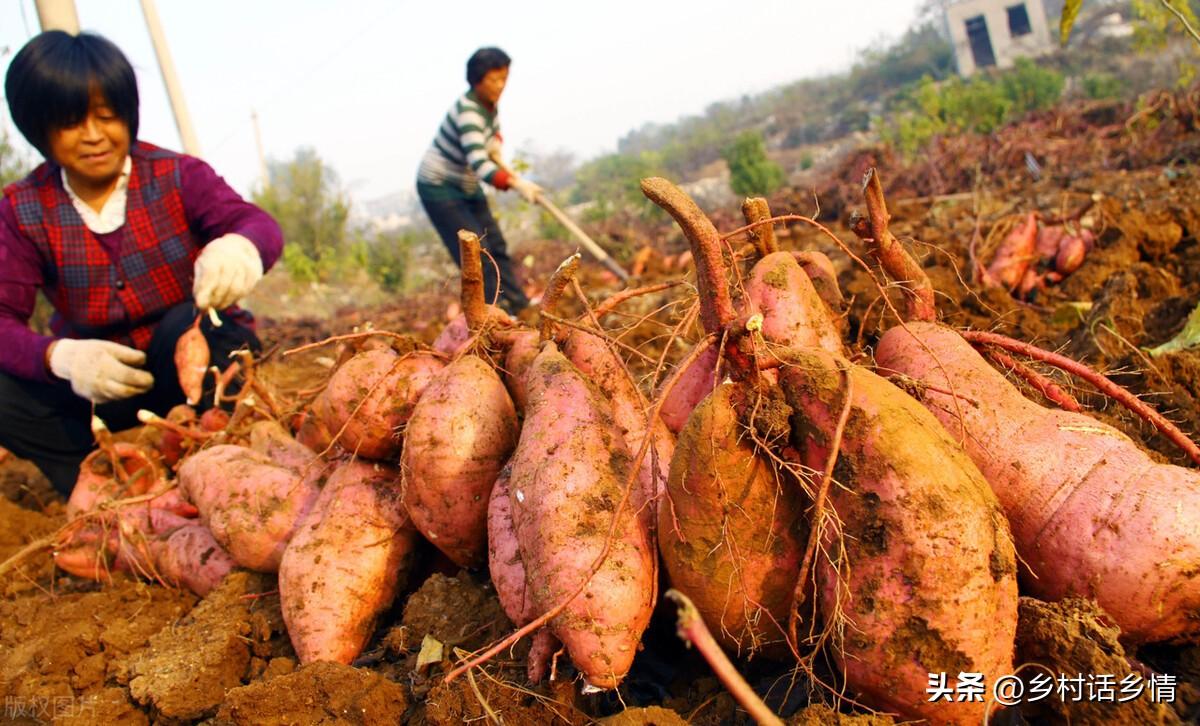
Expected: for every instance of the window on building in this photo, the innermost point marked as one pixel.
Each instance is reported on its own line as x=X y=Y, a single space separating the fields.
x=1018 y=21
x=980 y=41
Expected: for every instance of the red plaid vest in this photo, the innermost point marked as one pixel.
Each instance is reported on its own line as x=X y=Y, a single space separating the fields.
x=95 y=297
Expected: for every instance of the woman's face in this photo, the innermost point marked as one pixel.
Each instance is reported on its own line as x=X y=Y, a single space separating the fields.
x=492 y=85
x=92 y=151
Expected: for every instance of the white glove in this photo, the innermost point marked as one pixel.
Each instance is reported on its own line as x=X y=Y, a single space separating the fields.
x=527 y=189
x=100 y=370
x=227 y=269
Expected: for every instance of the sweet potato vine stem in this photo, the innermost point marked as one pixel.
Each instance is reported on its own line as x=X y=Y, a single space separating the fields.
x=616 y=299
x=755 y=209
x=693 y=630
x=559 y=280
x=716 y=309
x=891 y=255
x=474 y=304
x=1101 y=382
x=634 y=468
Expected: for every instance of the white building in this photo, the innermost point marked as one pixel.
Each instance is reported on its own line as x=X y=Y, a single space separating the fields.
x=994 y=33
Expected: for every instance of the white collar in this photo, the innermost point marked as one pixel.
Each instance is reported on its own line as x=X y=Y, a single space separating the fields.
x=112 y=215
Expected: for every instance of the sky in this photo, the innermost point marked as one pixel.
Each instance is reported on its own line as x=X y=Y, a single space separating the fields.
x=366 y=82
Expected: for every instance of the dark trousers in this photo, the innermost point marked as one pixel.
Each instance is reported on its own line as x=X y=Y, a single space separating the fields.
x=449 y=216
x=51 y=426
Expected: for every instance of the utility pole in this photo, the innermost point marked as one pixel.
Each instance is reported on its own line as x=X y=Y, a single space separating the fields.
x=262 y=159
x=166 y=66
x=58 y=15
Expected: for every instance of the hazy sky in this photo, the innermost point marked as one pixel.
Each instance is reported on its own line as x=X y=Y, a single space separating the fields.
x=366 y=82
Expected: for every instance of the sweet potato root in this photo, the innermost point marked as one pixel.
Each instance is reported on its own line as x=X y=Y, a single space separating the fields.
x=346 y=562
x=567 y=477
x=1092 y=514
x=730 y=531
x=929 y=580
x=191 y=361
x=461 y=433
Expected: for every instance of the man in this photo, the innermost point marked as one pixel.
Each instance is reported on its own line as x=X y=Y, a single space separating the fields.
x=120 y=236
x=464 y=153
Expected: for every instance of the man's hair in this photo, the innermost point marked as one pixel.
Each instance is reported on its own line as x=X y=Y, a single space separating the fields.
x=49 y=84
x=484 y=60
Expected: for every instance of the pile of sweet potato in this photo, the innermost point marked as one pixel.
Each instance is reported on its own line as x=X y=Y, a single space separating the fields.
x=784 y=482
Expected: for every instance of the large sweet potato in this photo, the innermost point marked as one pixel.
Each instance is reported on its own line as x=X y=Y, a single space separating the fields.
x=926 y=571
x=345 y=563
x=694 y=384
x=461 y=433
x=567 y=477
x=1092 y=514
x=793 y=313
x=731 y=532
x=372 y=395
x=251 y=503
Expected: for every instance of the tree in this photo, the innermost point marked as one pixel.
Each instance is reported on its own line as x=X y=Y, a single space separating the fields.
x=304 y=197
x=751 y=173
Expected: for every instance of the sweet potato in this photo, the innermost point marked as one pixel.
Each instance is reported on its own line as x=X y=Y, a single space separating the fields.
x=793 y=313
x=190 y=556
x=191 y=361
x=730 y=531
x=1070 y=255
x=521 y=352
x=372 y=395
x=251 y=503
x=929 y=579
x=457 y=334
x=567 y=477
x=592 y=357
x=1014 y=255
x=270 y=439
x=1092 y=514
x=346 y=562
x=461 y=433
x=694 y=384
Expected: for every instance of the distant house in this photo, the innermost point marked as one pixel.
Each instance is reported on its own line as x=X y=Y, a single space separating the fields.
x=994 y=33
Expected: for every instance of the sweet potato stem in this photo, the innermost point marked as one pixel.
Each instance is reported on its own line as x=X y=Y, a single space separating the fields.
x=1098 y=380
x=891 y=255
x=474 y=304
x=555 y=287
x=716 y=308
x=755 y=209
x=1048 y=388
x=634 y=468
x=691 y=628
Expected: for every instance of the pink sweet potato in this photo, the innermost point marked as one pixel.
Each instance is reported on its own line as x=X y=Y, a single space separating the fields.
x=345 y=563
x=372 y=395
x=1014 y=255
x=461 y=433
x=99 y=483
x=567 y=477
x=793 y=313
x=730 y=531
x=1070 y=255
x=928 y=572
x=270 y=439
x=191 y=361
x=1092 y=514
x=504 y=555
x=599 y=363
x=694 y=384
x=251 y=503
x=521 y=352
x=190 y=556
x=457 y=334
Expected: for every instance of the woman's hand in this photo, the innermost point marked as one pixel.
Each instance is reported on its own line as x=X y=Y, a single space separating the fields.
x=227 y=269
x=99 y=370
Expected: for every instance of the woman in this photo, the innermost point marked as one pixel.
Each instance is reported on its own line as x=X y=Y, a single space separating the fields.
x=120 y=236
x=466 y=151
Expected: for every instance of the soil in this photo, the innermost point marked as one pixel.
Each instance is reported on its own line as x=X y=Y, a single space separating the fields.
x=127 y=651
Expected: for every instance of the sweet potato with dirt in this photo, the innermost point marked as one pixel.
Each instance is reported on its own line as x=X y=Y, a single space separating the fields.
x=191 y=557
x=346 y=562
x=371 y=396
x=98 y=481
x=730 y=531
x=1014 y=255
x=521 y=352
x=695 y=383
x=793 y=313
x=927 y=573
x=251 y=503
x=592 y=356
x=455 y=336
x=272 y=440
x=460 y=435
x=568 y=474
x=1091 y=513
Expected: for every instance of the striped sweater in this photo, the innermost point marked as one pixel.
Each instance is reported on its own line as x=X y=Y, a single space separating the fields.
x=458 y=158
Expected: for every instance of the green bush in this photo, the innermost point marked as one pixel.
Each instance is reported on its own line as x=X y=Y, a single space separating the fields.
x=1099 y=86
x=751 y=173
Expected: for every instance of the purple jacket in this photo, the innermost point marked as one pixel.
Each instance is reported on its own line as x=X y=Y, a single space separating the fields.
x=212 y=209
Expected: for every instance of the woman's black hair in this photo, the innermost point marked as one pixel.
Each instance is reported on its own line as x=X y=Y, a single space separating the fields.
x=49 y=84
x=484 y=60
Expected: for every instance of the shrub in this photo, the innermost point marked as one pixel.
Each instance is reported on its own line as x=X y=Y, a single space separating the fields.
x=751 y=173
